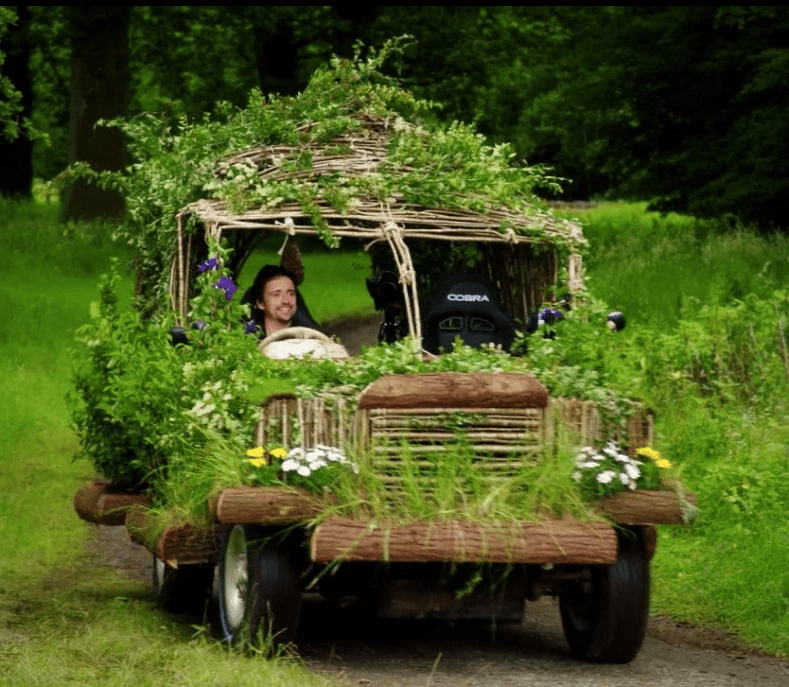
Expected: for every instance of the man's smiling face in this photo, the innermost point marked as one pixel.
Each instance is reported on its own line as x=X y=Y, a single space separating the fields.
x=278 y=303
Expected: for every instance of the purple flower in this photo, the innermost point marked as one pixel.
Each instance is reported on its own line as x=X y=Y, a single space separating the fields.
x=549 y=315
x=199 y=324
x=250 y=327
x=228 y=286
x=209 y=264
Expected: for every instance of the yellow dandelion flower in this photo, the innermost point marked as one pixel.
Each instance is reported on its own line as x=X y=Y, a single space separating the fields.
x=257 y=462
x=648 y=452
x=654 y=456
x=258 y=452
x=279 y=453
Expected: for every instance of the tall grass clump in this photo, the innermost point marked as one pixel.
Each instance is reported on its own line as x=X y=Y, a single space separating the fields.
x=651 y=266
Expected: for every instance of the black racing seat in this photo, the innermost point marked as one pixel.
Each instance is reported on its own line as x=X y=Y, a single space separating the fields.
x=468 y=306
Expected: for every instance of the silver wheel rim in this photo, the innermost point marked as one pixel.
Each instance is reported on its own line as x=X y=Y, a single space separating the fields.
x=234 y=589
x=158 y=571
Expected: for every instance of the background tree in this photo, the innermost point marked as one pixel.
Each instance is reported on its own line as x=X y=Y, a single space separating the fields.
x=681 y=106
x=16 y=148
x=99 y=90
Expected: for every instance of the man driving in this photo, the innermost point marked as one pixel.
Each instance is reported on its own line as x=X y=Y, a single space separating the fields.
x=277 y=300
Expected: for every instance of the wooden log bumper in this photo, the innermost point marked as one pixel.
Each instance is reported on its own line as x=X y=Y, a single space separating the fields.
x=176 y=545
x=552 y=541
x=643 y=507
x=101 y=504
x=455 y=390
x=265 y=506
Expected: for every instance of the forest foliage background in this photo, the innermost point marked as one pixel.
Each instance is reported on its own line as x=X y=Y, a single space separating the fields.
x=679 y=106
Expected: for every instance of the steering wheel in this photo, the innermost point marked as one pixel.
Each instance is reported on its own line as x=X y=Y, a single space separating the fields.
x=322 y=346
x=294 y=333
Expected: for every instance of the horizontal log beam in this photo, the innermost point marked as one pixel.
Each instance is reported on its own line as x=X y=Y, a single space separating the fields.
x=102 y=504
x=643 y=507
x=455 y=390
x=176 y=545
x=552 y=541
x=265 y=506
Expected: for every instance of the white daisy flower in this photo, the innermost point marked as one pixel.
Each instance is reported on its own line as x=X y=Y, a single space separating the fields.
x=632 y=471
x=304 y=471
x=606 y=476
x=289 y=465
x=576 y=476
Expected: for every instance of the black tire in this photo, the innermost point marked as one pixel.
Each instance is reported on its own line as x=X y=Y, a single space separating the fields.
x=276 y=597
x=185 y=589
x=259 y=596
x=605 y=618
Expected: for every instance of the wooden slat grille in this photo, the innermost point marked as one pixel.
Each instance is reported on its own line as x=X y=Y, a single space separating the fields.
x=497 y=441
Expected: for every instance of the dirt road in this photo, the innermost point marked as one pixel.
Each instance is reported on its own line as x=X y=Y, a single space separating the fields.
x=384 y=653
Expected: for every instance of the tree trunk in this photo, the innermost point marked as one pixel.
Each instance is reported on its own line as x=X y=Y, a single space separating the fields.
x=98 y=503
x=650 y=507
x=177 y=545
x=99 y=89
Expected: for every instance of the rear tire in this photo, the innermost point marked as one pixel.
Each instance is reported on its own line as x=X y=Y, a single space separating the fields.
x=185 y=589
x=605 y=618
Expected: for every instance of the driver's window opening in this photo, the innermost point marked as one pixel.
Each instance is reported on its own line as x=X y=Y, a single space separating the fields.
x=469 y=305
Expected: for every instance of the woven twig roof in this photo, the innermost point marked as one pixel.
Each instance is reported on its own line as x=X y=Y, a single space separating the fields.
x=522 y=273
x=365 y=153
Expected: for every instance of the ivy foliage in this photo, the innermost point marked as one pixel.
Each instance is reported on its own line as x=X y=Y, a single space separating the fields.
x=179 y=162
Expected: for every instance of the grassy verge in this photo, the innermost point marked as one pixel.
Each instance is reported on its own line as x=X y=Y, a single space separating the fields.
x=63 y=620
x=703 y=312
x=651 y=266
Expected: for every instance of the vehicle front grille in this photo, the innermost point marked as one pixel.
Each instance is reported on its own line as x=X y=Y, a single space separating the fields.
x=497 y=442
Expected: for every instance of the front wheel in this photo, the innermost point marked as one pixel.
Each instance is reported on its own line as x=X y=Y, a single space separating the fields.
x=605 y=617
x=259 y=592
